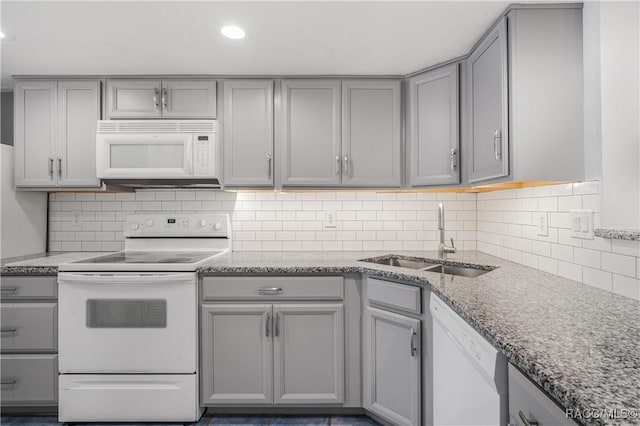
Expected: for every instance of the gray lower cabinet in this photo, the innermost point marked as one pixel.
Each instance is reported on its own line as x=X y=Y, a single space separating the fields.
x=237 y=354
x=264 y=354
x=528 y=404
x=433 y=120
x=29 y=331
x=391 y=367
x=488 y=102
x=308 y=353
x=153 y=98
x=310 y=151
x=248 y=133
x=55 y=132
x=371 y=133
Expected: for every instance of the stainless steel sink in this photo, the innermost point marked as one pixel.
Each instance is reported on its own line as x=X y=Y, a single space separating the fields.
x=429 y=266
x=457 y=270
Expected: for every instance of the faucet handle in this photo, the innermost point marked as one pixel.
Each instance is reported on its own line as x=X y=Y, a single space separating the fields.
x=452 y=245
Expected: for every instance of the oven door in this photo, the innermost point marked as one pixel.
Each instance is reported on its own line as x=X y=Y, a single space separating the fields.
x=144 y=156
x=127 y=322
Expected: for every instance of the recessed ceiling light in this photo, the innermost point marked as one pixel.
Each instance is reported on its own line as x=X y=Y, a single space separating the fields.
x=232 y=31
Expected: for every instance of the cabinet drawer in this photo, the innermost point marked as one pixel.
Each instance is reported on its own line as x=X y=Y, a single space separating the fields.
x=393 y=295
x=267 y=288
x=526 y=398
x=29 y=327
x=29 y=379
x=28 y=287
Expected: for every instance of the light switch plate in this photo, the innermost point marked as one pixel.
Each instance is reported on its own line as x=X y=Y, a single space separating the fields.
x=541 y=221
x=582 y=224
x=330 y=219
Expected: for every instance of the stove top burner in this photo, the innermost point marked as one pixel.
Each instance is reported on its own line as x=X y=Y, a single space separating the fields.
x=149 y=257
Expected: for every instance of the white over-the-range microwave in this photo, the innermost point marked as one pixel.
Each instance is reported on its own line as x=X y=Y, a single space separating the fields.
x=158 y=152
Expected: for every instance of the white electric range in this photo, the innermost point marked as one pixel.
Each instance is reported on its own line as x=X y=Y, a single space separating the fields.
x=128 y=322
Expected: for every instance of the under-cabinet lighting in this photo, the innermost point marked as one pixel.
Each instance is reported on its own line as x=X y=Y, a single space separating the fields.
x=233 y=32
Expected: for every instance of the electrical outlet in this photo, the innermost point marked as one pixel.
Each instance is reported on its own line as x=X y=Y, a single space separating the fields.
x=582 y=224
x=541 y=220
x=76 y=219
x=330 y=219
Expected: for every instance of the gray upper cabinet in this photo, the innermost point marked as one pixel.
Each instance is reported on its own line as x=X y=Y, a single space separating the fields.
x=153 y=98
x=433 y=143
x=371 y=132
x=78 y=113
x=248 y=133
x=35 y=116
x=134 y=98
x=55 y=133
x=188 y=99
x=308 y=353
x=488 y=101
x=310 y=151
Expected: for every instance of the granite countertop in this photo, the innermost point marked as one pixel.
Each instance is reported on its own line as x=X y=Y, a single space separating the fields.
x=41 y=263
x=618 y=234
x=579 y=343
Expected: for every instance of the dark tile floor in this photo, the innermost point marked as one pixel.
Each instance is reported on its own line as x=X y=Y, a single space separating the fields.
x=217 y=420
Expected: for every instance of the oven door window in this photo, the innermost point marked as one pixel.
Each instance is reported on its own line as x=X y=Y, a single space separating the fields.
x=126 y=313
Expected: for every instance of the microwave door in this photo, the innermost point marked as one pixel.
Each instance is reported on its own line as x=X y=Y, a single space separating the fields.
x=148 y=156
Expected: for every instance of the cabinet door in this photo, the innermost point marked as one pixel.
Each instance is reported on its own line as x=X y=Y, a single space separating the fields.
x=189 y=99
x=371 y=133
x=487 y=71
x=311 y=133
x=133 y=99
x=308 y=354
x=78 y=113
x=237 y=354
x=248 y=132
x=392 y=367
x=433 y=123
x=35 y=133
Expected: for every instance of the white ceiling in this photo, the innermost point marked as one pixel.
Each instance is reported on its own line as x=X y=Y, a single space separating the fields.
x=293 y=38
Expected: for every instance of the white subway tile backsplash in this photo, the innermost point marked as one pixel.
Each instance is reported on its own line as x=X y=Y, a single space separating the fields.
x=619 y=264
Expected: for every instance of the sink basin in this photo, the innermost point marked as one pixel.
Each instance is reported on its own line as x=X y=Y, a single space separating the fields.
x=456 y=270
x=429 y=266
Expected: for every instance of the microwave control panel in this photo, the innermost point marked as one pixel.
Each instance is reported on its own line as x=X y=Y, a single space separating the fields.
x=203 y=155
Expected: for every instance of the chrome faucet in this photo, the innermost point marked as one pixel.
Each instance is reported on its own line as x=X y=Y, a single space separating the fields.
x=443 y=249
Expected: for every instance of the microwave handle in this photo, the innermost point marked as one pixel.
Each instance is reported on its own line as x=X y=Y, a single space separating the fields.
x=124 y=279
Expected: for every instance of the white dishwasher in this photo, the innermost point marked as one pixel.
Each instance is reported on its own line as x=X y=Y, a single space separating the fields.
x=470 y=382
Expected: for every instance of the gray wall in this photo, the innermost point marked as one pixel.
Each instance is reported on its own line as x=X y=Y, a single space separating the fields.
x=6 y=118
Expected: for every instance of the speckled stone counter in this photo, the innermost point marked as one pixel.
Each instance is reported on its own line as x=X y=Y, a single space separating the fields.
x=618 y=234
x=41 y=263
x=579 y=343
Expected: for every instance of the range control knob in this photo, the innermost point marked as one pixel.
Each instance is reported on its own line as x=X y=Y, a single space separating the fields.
x=134 y=226
x=203 y=223
x=149 y=222
x=218 y=225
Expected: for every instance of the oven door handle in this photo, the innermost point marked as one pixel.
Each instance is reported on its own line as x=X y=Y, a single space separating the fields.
x=125 y=279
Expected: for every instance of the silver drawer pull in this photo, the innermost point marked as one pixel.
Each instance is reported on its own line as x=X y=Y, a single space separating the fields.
x=454 y=163
x=267 y=326
x=526 y=421
x=9 y=289
x=269 y=165
x=8 y=381
x=12 y=330
x=269 y=290
x=277 y=321
x=497 y=144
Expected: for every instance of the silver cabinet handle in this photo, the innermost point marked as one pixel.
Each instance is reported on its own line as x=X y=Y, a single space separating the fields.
x=526 y=421
x=165 y=95
x=454 y=162
x=277 y=325
x=8 y=381
x=412 y=342
x=267 y=327
x=51 y=167
x=155 y=98
x=9 y=289
x=59 y=167
x=269 y=290
x=497 y=144
x=346 y=165
x=12 y=330
x=269 y=165
x=337 y=164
